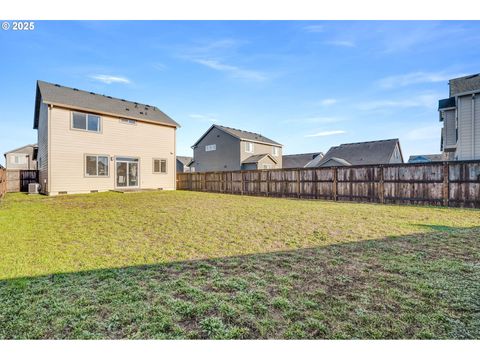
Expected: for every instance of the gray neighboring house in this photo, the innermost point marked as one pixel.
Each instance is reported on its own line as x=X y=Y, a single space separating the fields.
x=223 y=148
x=415 y=159
x=22 y=158
x=183 y=164
x=460 y=114
x=293 y=161
x=363 y=153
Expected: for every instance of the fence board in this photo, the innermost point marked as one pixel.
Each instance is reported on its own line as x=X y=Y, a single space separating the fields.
x=437 y=183
x=3 y=182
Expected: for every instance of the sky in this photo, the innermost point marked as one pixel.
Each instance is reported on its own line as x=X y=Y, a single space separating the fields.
x=309 y=85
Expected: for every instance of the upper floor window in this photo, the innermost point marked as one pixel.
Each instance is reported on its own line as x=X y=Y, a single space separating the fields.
x=19 y=159
x=249 y=147
x=128 y=121
x=212 y=147
x=86 y=122
x=275 y=151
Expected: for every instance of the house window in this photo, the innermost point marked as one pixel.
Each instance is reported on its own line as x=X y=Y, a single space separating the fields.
x=267 y=166
x=86 y=122
x=212 y=147
x=128 y=121
x=19 y=159
x=96 y=165
x=160 y=166
x=249 y=147
x=275 y=151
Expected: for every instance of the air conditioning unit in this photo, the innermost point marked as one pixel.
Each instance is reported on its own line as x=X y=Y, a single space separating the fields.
x=33 y=188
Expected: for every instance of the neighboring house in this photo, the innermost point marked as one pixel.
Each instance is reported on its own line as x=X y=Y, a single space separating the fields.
x=222 y=149
x=414 y=159
x=300 y=160
x=364 y=153
x=183 y=164
x=89 y=142
x=22 y=158
x=460 y=114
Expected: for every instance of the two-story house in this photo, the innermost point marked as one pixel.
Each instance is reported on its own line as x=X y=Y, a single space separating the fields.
x=223 y=148
x=460 y=114
x=22 y=158
x=89 y=142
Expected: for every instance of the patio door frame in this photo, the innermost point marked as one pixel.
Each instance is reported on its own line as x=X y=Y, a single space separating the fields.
x=123 y=159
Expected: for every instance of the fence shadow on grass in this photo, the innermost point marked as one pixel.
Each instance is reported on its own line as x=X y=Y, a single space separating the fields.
x=424 y=285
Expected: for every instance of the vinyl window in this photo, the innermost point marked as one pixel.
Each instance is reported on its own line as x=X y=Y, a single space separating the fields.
x=96 y=165
x=20 y=159
x=160 y=166
x=86 y=122
x=275 y=151
x=128 y=121
x=212 y=147
x=249 y=147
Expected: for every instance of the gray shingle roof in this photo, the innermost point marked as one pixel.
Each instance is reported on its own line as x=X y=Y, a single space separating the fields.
x=256 y=158
x=464 y=84
x=364 y=153
x=89 y=101
x=299 y=160
x=185 y=160
x=241 y=134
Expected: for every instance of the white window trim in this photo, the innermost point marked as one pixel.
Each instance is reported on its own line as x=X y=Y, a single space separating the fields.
x=247 y=144
x=211 y=147
x=96 y=176
x=159 y=166
x=100 y=122
x=128 y=121
x=275 y=151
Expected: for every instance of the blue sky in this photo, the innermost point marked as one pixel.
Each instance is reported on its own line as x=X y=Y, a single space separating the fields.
x=308 y=85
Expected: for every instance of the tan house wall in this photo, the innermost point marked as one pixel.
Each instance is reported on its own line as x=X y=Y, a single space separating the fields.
x=68 y=148
x=261 y=149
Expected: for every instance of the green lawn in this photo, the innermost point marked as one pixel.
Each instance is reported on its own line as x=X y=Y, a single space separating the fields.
x=197 y=265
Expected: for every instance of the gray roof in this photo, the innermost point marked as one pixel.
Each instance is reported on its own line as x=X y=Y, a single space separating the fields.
x=426 y=158
x=299 y=160
x=88 y=101
x=242 y=135
x=21 y=147
x=185 y=160
x=256 y=158
x=464 y=84
x=364 y=153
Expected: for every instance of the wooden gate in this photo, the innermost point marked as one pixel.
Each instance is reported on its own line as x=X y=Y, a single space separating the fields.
x=27 y=177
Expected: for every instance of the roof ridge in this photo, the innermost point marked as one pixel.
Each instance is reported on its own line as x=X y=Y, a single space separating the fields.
x=367 y=142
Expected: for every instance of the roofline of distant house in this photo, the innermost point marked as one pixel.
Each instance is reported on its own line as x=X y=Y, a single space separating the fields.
x=21 y=147
x=261 y=158
x=236 y=137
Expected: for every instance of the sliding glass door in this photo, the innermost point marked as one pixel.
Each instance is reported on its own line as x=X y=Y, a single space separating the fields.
x=127 y=171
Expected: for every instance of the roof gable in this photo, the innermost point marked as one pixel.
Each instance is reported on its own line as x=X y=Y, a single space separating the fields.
x=89 y=101
x=365 y=153
x=256 y=158
x=241 y=135
x=299 y=160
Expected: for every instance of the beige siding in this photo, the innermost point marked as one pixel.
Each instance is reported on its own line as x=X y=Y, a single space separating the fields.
x=261 y=149
x=42 y=156
x=143 y=140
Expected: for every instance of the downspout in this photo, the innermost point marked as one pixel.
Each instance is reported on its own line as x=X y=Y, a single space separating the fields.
x=473 y=126
x=49 y=146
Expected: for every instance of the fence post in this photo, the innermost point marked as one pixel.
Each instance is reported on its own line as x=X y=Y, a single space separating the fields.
x=204 y=185
x=315 y=183
x=298 y=183
x=381 y=186
x=446 y=183
x=241 y=182
x=335 y=184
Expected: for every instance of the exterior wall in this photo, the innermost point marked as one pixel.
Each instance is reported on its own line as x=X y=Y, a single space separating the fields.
x=29 y=164
x=68 y=148
x=181 y=168
x=465 y=143
x=225 y=157
x=450 y=131
x=261 y=149
x=396 y=156
x=42 y=155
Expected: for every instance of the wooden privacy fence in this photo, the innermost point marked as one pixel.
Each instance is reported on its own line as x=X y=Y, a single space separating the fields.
x=454 y=184
x=3 y=182
x=18 y=180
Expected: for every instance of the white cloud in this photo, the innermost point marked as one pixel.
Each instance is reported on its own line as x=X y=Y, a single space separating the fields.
x=314 y=120
x=326 y=133
x=314 y=28
x=327 y=102
x=109 y=79
x=424 y=133
x=204 y=117
x=232 y=70
x=342 y=43
x=425 y=100
x=415 y=78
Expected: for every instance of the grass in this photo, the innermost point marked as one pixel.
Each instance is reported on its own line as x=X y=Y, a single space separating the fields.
x=198 y=265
